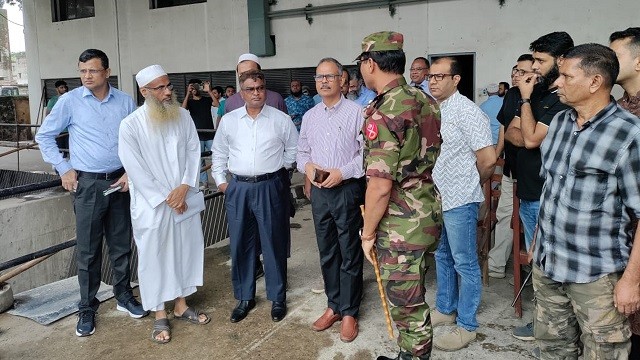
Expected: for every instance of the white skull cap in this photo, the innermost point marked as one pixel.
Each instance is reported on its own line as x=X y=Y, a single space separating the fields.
x=148 y=74
x=250 y=57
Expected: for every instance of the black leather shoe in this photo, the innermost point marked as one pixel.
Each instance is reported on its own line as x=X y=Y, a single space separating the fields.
x=242 y=309
x=403 y=355
x=278 y=310
x=259 y=268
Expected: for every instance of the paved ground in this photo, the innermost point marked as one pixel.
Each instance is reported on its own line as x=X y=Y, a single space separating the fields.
x=257 y=337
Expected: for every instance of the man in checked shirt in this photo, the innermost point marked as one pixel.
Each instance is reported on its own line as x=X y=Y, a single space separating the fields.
x=586 y=275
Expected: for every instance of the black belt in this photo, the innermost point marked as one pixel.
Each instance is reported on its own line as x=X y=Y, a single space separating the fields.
x=101 y=176
x=256 y=178
x=350 y=180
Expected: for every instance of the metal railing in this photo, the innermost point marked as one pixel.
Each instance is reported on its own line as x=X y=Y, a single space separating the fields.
x=214 y=228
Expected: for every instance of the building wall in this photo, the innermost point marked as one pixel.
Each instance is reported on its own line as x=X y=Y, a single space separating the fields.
x=209 y=36
x=5 y=50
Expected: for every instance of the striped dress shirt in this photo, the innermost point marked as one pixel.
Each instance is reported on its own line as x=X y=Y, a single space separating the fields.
x=331 y=138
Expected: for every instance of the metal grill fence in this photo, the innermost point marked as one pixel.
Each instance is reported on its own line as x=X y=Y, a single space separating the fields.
x=214 y=227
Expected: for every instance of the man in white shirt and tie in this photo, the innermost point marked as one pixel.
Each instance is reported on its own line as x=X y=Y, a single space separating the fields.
x=256 y=144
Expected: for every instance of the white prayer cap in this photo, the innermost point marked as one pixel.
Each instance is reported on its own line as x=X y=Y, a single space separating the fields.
x=250 y=57
x=148 y=74
x=492 y=88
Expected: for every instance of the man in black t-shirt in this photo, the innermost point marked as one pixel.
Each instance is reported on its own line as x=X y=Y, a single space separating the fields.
x=503 y=242
x=200 y=109
x=538 y=105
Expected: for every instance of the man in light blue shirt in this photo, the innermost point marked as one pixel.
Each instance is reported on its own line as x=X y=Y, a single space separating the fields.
x=491 y=107
x=92 y=113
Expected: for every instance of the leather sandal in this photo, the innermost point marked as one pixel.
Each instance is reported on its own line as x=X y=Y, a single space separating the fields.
x=193 y=316
x=160 y=325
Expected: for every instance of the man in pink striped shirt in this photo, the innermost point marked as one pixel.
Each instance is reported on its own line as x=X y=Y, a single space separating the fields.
x=330 y=155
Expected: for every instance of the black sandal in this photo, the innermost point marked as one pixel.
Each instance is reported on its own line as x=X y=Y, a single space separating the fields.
x=160 y=325
x=193 y=316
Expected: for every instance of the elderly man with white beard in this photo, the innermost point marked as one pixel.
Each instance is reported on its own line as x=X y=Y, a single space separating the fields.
x=160 y=151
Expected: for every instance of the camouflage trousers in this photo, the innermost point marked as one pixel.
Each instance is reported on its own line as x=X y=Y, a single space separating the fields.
x=402 y=273
x=565 y=309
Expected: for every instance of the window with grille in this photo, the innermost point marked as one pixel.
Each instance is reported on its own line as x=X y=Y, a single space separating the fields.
x=62 y=10
x=156 y=4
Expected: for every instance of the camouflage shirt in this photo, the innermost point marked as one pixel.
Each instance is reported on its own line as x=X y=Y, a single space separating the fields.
x=402 y=133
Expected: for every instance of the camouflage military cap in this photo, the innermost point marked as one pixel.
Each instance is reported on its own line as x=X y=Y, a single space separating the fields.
x=382 y=41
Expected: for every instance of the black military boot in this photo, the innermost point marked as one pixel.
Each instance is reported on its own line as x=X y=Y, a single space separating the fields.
x=403 y=355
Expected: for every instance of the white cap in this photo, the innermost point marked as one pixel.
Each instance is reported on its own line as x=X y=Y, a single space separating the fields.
x=250 y=57
x=148 y=74
x=492 y=88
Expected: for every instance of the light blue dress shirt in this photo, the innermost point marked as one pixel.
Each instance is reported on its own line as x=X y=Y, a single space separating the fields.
x=491 y=107
x=93 y=127
x=366 y=95
x=424 y=85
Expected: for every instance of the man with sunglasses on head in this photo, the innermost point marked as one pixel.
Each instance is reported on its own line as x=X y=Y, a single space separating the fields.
x=256 y=144
x=93 y=113
x=466 y=161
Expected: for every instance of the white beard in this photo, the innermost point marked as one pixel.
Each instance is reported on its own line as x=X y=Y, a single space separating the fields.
x=161 y=113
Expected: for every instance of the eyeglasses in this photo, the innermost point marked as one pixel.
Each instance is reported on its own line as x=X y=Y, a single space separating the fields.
x=361 y=60
x=250 y=90
x=519 y=72
x=418 y=69
x=439 y=77
x=161 y=88
x=84 y=72
x=328 y=77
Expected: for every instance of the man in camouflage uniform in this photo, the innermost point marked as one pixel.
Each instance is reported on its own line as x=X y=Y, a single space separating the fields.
x=403 y=213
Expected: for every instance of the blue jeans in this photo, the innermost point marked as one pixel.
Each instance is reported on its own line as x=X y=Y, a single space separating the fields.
x=204 y=146
x=457 y=268
x=529 y=216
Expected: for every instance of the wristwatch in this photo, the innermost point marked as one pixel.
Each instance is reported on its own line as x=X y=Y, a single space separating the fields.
x=524 y=101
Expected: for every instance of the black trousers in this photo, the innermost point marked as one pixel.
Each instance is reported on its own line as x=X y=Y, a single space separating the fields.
x=98 y=217
x=258 y=213
x=337 y=219
x=635 y=347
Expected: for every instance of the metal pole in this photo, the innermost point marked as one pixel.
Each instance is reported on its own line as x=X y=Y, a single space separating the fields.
x=26 y=258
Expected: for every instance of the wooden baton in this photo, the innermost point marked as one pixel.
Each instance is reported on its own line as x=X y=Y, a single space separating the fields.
x=383 y=297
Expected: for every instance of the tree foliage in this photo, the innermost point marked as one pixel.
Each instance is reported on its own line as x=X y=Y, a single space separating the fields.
x=11 y=2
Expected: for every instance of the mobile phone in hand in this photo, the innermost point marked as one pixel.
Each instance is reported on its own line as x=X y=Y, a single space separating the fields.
x=112 y=190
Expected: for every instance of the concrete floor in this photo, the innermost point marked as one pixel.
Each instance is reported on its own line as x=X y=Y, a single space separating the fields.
x=257 y=337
